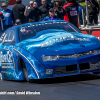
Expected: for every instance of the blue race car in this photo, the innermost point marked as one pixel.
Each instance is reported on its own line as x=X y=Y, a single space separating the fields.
x=47 y=49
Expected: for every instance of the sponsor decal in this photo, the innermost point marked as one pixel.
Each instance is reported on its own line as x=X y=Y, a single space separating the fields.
x=59 y=40
x=74 y=8
x=22 y=29
x=6 y=59
x=73 y=13
x=6 y=14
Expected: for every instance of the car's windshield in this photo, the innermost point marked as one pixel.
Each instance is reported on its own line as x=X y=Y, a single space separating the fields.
x=30 y=31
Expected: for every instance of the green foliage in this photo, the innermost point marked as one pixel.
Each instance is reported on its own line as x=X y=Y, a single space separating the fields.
x=83 y=4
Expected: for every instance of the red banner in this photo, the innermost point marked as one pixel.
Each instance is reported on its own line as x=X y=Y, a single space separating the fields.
x=9 y=2
x=12 y=2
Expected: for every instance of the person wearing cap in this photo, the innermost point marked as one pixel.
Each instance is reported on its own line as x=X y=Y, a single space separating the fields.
x=34 y=13
x=18 y=11
x=45 y=8
x=51 y=16
x=59 y=11
x=30 y=5
x=17 y=22
x=93 y=11
x=28 y=8
x=7 y=13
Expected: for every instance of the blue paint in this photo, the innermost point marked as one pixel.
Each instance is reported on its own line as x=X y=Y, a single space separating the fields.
x=48 y=42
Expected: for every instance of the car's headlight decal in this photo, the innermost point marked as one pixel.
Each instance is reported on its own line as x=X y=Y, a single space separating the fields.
x=53 y=58
x=27 y=60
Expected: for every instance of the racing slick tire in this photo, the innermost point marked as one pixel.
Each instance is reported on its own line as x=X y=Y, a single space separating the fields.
x=25 y=73
x=0 y=76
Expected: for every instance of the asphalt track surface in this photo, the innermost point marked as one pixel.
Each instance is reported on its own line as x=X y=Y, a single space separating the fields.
x=78 y=87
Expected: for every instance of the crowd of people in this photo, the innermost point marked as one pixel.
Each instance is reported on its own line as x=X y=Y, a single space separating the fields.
x=69 y=11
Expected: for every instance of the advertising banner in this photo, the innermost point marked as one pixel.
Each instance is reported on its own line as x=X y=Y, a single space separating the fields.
x=9 y=2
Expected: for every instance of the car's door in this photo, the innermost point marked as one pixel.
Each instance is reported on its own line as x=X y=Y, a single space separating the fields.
x=7 y=61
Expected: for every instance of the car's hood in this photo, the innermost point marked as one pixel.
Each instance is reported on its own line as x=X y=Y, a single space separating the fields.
x=59 y=42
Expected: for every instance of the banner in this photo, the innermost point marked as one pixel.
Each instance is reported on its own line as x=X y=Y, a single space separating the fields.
x=9 y=2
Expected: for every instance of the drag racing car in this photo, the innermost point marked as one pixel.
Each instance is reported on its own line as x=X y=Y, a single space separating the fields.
x=46 y=50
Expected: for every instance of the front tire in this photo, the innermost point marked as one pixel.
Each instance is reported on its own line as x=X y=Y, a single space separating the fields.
x=25 y=73
x=0 y=76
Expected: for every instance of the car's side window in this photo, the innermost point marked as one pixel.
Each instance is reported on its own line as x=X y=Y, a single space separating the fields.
x=9 y=36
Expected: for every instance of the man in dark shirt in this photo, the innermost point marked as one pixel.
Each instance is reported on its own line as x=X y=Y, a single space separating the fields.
x=45 y=8
x=2 y=19
x=18 y=11
x=33 y=14
x=93 y=11
x=71 y=9
x=99 y=12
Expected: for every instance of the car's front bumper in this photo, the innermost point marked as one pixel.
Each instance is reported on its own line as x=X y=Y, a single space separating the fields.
x=73 y=66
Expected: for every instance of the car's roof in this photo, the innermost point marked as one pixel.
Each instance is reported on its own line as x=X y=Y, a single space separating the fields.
x=27 y=24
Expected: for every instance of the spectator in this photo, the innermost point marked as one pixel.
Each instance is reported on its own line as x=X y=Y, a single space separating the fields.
x=45 y=8
x=99 y=11
x=18 y=11
x=80 y=8
x=1 y=23
x=93 y=11
x=66 y=1
x=71 y=9
x=60 y=12
x=27 y=8
x=30 y=5
x=17 y=22
x=7 y=13
x=33 y=14
x=51 y=15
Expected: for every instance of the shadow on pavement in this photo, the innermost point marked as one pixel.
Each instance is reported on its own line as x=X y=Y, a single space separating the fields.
x=66 y=79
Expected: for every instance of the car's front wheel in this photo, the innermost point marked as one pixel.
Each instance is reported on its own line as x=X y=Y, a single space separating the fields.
x=0 y=76
x=25 y=73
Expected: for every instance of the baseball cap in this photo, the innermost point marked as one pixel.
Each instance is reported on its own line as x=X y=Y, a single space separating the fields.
x=17 y=21
x=4 y=5
x=31 y=2
x=51 y=9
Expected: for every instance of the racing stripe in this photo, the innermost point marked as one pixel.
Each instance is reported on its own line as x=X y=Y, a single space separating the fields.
x=28 y=61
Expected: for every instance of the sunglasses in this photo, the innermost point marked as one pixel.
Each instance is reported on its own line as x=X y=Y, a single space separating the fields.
x=4 y=6
x=35 y=4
